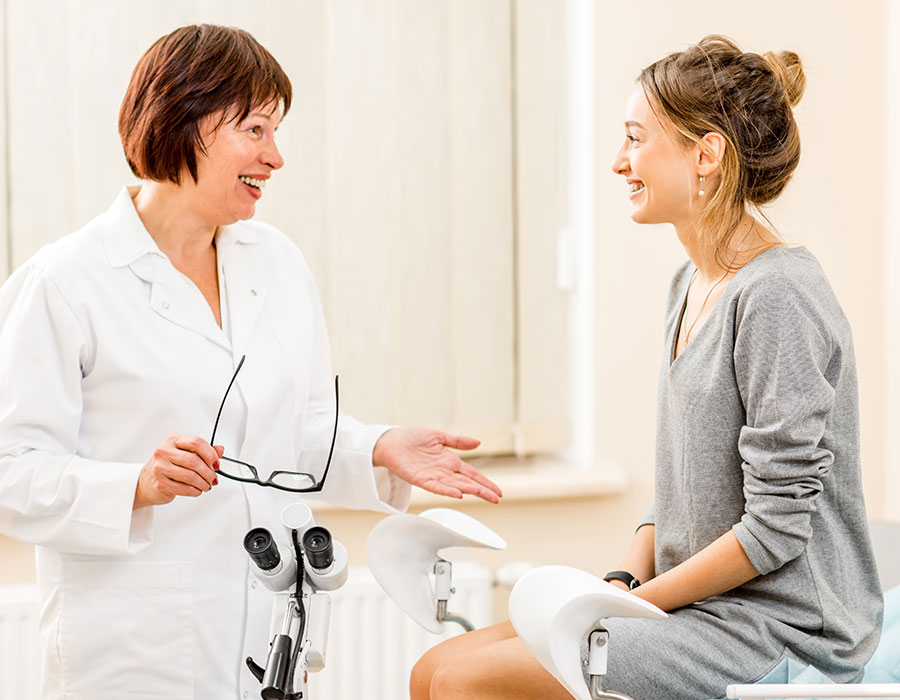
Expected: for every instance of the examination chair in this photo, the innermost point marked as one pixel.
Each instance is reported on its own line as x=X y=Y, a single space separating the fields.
x=558 y=613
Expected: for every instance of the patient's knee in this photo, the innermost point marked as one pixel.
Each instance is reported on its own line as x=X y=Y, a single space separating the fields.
x=448 y=683
x=421 y=675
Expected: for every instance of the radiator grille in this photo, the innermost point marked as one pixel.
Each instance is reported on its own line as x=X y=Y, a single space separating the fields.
x=372 y=645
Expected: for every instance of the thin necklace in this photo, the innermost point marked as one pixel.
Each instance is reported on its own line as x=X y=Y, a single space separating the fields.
x=687 y=336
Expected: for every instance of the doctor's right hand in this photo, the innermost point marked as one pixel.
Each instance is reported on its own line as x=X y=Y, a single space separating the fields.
x=181 y=465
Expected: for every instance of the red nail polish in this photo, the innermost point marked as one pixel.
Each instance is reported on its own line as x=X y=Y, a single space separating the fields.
x=216 y=481
x=216 y=465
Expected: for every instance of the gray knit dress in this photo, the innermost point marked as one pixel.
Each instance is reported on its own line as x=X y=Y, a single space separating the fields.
x=758 y=433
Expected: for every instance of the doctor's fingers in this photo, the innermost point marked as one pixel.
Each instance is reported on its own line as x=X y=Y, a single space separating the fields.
x=475 y=482
x=459 y=442
x=168 y=455
x=466 y=484
x=177 y=480
x=200 y=447
x=472 y=473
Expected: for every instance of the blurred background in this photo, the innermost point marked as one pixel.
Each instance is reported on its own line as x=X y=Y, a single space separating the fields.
x=447 y=177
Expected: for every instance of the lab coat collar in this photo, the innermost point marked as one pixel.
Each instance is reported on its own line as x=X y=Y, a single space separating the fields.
x=128 y=243
x=128 y=240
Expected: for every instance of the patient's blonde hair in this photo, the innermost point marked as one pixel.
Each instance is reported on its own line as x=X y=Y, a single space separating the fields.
x=746 y=97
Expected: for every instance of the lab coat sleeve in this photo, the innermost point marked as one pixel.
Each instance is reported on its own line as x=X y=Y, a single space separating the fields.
x=353 y=481
x=49 y=495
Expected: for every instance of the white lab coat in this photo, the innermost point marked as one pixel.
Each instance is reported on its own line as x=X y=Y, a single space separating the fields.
x=105 y=349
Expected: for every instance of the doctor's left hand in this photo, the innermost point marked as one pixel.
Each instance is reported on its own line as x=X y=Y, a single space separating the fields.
x=420 y=456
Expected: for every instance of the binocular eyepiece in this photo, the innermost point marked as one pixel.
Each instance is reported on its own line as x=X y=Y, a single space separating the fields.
x=318 y=547
x=263 y=550
x=261 y=547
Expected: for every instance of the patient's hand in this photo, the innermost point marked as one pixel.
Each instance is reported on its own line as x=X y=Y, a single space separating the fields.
x=420 y=456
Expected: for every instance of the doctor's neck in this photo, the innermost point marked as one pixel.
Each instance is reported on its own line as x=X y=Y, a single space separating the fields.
x=173 y=216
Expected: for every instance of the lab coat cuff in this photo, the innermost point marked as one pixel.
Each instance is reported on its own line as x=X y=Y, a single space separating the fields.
x=354 y=482
x=393 y=491
x=102 y=511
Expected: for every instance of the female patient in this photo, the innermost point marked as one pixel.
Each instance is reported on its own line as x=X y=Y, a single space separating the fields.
x=757 y=541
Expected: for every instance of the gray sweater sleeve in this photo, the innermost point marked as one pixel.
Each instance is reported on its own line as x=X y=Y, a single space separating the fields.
x=649 y=517
x=784 y=357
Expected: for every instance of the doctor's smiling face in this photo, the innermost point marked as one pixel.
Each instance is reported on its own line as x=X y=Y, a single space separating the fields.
x=657 y=167
x=240 y=157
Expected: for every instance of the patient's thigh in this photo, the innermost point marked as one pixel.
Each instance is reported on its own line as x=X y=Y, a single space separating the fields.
x=504 y=669
x=694 y=653
x=447 y=654
x=469 y=642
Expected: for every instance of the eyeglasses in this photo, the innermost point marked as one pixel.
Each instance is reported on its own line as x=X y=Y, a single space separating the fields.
x=298 y=482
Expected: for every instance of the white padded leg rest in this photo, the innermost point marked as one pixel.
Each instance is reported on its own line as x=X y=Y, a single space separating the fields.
x=815 y=690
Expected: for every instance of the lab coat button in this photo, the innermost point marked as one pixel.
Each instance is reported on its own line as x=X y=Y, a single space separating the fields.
x=253 y=292
x=253 y=584
x=246 y=693
x=165 y=305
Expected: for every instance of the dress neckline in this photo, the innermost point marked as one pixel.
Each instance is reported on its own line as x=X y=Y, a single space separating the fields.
x=673 y=342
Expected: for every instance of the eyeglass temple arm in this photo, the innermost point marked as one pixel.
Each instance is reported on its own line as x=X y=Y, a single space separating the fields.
x=337 y=413
x=212 y=439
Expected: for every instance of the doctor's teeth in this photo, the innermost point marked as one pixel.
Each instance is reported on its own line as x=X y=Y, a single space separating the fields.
x=636 y=186
x=253 y=182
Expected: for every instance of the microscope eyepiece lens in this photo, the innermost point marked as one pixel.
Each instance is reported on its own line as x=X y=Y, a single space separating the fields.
x=261 y=547
x=318 y=547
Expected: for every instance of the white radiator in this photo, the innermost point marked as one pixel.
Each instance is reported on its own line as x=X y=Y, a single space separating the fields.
x=18 y=642
x=372 y=645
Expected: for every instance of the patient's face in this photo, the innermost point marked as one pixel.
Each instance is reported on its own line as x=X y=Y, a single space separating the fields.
x=658 y=168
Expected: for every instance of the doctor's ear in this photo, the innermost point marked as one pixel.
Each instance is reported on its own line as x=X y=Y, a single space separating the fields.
x=710 y=153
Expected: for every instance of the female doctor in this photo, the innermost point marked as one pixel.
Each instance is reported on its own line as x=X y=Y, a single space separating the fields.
x=116 y=346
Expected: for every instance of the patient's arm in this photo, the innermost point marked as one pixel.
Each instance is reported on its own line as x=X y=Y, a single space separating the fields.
x=639 y=560
x=717 y=568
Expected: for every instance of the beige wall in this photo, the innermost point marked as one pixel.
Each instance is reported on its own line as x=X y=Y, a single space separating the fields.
x=834 y=206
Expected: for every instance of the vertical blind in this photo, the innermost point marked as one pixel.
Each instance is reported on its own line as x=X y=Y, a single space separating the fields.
x=425 y=181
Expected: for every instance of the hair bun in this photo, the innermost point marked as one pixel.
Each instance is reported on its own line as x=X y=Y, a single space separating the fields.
x=786 y=65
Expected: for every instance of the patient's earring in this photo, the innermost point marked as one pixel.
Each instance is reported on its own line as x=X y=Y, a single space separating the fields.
x=702 y=191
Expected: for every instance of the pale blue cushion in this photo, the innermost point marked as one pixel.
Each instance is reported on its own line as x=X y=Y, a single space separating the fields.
x=883 y=667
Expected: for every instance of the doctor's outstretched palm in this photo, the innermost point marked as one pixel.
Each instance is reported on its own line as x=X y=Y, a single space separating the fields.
x=420 y=456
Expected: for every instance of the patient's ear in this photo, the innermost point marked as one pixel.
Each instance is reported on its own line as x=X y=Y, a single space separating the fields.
x=710 y=152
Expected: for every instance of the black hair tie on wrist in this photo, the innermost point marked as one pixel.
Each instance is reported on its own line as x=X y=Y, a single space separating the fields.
x=623 y=576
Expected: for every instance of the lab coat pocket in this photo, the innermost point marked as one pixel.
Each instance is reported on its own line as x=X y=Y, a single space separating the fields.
x=126 y=630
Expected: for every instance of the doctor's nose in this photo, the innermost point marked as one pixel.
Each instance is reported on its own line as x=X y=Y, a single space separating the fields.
x=272 y=156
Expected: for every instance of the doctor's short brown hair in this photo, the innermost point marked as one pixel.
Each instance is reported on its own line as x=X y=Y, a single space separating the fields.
x=194 y=72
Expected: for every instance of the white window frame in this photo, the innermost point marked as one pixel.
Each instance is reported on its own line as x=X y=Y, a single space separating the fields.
x=5 y=247
x=581 y=469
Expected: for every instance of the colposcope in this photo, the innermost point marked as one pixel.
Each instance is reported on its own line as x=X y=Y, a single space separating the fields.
x=298 y=566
